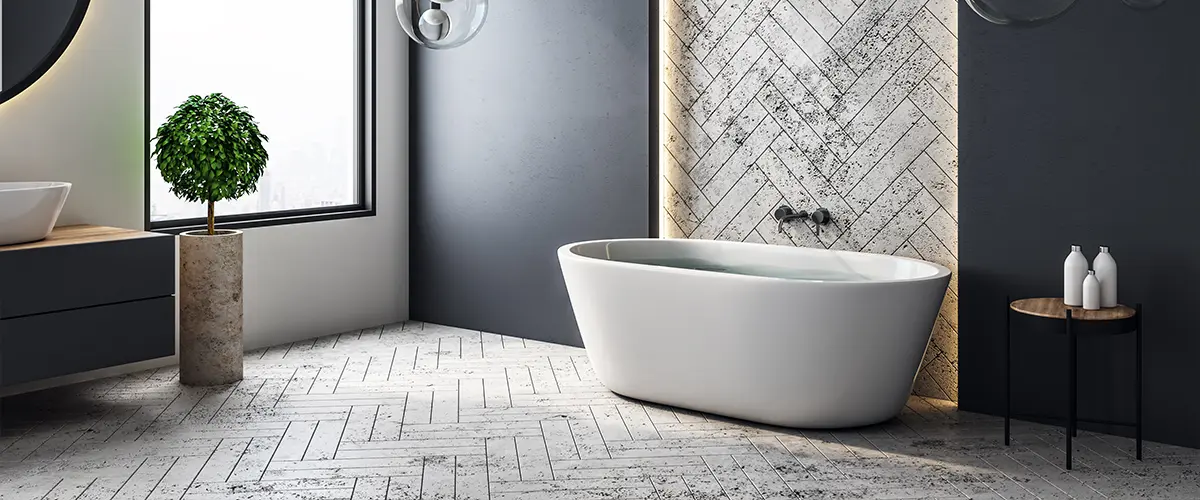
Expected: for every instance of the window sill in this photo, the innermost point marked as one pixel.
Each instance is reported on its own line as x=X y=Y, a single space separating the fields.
x=263 y=219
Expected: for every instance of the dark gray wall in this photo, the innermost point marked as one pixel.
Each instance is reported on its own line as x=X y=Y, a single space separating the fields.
x=1082 y=131
x=533 y=135
x=30 y=30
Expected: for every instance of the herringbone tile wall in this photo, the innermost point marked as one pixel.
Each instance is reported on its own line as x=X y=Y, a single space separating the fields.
x=849 y=105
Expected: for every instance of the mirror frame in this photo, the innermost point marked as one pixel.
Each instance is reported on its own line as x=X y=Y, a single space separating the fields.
x=56 y=52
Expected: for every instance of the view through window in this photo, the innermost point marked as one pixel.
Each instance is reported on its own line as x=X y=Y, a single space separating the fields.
x=294 y=65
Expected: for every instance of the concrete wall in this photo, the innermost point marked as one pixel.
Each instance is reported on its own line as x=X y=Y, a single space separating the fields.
x=1074 y=134
x=533 y=135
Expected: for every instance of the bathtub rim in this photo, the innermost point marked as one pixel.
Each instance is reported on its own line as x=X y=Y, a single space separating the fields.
x=566 y=252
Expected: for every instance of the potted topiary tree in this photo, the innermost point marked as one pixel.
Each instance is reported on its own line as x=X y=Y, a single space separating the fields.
x=210 y=150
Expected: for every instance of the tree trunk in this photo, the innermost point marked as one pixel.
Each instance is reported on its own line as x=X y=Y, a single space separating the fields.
x=211 y=218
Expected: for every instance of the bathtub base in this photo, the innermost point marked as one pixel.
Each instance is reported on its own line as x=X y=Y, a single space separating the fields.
x=748 y=385
x=796 y=422
x=774 y=415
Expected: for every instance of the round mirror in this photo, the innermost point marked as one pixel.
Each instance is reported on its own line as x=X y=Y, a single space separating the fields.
x=1020 y=12
x=33 y=34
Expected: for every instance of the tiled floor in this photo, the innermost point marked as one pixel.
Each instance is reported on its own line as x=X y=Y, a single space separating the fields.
x=422 y=411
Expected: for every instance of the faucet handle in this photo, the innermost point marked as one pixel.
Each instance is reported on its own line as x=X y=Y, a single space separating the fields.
x=821 y=216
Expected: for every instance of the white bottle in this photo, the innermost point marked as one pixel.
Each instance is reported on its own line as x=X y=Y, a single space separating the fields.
x=1106 y=272
x=1091 y=292
x=1075 y=269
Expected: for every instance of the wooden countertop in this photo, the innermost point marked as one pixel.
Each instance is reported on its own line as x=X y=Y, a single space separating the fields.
x=1055 y=308
x=81 y=234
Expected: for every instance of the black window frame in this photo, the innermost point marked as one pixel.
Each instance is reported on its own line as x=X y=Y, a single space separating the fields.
x=366 y=147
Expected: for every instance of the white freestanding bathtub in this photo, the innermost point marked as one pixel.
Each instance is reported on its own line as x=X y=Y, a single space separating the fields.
x=787 y=336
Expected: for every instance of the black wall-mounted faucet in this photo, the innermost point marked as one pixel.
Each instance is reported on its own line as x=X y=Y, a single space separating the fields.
x=785 y=214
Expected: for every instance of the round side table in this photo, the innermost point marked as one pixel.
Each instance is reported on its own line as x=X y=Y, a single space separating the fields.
x=1108 y=321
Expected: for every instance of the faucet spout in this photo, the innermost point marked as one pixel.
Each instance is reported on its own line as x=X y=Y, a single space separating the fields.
x=786 y=214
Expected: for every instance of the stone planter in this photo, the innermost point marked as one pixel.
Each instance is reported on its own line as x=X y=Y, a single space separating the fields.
x=210 y=308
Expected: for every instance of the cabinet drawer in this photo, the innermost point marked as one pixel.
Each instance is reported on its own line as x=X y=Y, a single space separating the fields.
x=51 y=345
x=73 y=276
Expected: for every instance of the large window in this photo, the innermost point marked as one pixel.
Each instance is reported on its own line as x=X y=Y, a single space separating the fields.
x=302 y=68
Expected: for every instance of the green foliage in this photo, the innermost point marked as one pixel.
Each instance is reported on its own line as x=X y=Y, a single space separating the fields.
x=210 y=150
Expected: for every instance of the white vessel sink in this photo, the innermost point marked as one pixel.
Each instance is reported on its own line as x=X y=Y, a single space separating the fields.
x=28 y=210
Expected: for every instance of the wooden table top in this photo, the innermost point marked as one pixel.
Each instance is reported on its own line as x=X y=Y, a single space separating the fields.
x=1055 y=308
x=75 y=235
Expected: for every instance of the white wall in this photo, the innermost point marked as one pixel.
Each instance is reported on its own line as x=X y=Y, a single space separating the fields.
x=83 y=122
x=315 y=279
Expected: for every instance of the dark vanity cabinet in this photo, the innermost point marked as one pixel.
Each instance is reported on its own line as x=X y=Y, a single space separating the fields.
x=87 y=297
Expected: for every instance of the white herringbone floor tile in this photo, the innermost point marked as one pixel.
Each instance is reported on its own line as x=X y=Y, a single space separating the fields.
x=421 y=411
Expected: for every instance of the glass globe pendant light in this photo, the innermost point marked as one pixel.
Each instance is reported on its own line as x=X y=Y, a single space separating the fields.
x=1144 y=4
x=1035 y=12
x=1020 y=12
x=441 y=24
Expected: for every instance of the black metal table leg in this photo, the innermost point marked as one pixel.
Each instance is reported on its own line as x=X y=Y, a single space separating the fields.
x=1120 y=319
x=1138 y=385
x=1070 y=388
x=1007 y=368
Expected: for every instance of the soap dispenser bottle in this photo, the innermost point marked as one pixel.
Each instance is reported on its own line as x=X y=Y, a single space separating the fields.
x=1075 y=269
x=1091 y=292
x=1106 y=272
